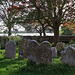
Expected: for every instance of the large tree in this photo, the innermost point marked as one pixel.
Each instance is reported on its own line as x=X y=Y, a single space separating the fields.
x=6 y=16
x=53 y=12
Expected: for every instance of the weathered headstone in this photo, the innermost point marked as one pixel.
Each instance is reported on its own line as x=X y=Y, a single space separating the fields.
x=39 y=54
x=54 y=52
x=23 y=48
x=44 y=53
x=32 y=50
x=68 y=55
x=60 y=46
x=10 y=49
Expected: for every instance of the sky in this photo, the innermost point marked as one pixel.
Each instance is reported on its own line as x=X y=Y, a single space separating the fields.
x=19 y=28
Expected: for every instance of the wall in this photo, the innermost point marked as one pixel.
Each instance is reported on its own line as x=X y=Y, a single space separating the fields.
x=65 y=39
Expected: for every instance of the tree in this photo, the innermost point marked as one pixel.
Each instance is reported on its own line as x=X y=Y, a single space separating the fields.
x=51 y=13
x=11 y=13
x=55 y=10
x=70 y=25
x=32 y=18
x=7 y=17
x=66 y=31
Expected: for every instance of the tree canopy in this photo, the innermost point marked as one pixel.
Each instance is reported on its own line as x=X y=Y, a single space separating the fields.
x=51 y=13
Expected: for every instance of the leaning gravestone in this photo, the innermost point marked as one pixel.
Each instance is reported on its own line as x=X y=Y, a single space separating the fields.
x=32 y=50
x=10 y=49
x=54 y=52
x=68 y=55
x=44 y=53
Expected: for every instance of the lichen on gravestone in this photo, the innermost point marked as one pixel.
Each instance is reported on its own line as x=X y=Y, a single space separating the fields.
x=68 y=55
x=10 y=49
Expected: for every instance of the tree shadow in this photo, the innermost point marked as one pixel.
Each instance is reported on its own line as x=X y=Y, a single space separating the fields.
x=55 y=69
x=4 y=62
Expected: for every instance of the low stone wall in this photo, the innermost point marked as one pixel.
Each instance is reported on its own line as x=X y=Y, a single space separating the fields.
x=65 y=39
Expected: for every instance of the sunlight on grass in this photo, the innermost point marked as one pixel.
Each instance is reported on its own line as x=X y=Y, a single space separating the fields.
x=20 y=66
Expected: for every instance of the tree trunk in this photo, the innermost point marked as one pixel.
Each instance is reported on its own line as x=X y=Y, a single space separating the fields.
x=9 y=32
x=56 y=35
x=43 y=30
x=44 y=34
x=40 y=32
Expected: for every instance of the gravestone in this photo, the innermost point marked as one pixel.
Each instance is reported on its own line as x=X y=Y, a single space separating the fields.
x=54 y=52
x=44 y=53
x=32 y=50
x=39 y=54
x=10 y=49
x=68 y=55
x=23 y=48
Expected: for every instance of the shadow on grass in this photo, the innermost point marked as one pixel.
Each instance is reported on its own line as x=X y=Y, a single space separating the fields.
x=4 y=62
x=1 y=59
x=55 y=69
x=11 y=59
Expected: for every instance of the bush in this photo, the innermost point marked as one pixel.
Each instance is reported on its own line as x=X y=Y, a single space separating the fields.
x=71 y=42
x=16 y=39
x=66 y=31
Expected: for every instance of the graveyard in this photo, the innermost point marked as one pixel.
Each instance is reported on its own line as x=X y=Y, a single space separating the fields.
x=37 y=37
x=32 y=58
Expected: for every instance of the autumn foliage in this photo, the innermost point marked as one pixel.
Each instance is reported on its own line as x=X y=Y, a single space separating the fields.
x=17 y=6
x=51 y=13
x=69 y=25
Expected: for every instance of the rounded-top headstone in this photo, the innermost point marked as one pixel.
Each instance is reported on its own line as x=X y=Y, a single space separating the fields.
x=23 y=48
x=68 y=55
x=10 y=49
x=44 y=53
x=32 y=50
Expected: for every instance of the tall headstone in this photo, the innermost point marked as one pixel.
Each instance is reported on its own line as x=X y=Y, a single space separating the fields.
x=10 y=49
x=32 y=50
x=44 y=53
x=23 y=48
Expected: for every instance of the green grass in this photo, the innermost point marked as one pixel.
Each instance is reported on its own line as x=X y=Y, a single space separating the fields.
x=20 y=66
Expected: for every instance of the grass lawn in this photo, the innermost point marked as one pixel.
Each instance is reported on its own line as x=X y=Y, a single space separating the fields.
x=19 y=66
